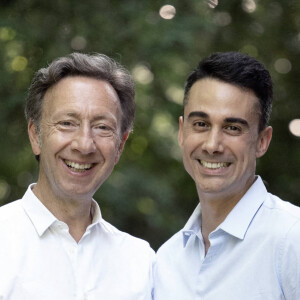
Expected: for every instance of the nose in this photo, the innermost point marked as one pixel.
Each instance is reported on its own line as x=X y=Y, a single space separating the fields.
x=83 y=141
x=213 y=143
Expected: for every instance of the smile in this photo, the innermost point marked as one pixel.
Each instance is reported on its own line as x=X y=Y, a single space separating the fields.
x=214 y=165
x=76 y=167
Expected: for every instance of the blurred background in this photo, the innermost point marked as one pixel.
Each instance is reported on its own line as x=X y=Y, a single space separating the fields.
x=149 y=193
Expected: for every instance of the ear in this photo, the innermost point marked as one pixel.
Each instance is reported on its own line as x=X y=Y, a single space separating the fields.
x=34 y=138
x=263 y=141
x=121 y=146
x=180 y=132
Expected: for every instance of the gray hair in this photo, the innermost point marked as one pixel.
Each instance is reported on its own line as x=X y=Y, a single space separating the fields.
x=98 y=66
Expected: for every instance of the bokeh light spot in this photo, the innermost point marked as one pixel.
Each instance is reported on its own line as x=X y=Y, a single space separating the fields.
x=14 y=49
x=4 y=189
x=19 y=63
x=249 y=6
x=78 y=43
x=283 y=65
x=294 y=127
x=146 y=205
x=175 y=94
x=222 y=18
x=162 y=124
x=212 y=3
x=142 y=74
x=167 y=12
x=250 y=50
x=7 y=33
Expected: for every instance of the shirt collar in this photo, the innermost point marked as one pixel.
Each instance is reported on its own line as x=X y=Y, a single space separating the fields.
x=39 y=215
x=193 y=225
x=96 y=213
x=42 y=218
x=238 y=220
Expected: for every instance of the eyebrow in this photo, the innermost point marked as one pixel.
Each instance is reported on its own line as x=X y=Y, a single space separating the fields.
x=204 y=115
x=200 y=114
x=237 y=120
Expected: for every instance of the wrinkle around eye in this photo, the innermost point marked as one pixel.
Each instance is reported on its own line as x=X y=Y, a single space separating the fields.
x=104 y=130
x=66 y=125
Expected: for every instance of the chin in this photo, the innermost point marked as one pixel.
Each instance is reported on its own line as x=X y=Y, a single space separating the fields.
x=216 y=187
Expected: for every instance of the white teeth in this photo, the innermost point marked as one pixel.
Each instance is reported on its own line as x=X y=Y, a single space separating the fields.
x=214 y=165
x=76 y=166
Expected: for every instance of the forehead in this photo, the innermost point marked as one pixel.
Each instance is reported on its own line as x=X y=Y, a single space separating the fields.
x=218 y=98
x=81 y=94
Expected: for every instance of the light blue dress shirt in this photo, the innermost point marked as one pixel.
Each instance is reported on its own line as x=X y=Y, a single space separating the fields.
x=254 y=254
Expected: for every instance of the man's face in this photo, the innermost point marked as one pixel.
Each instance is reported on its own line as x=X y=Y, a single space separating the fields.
x=80 y=140
x=220 y=139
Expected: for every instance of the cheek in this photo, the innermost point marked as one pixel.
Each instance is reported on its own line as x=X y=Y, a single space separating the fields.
x=191 y=143
x=108 y=146
x=188 y=162
x=56 y=138
x=248 y=157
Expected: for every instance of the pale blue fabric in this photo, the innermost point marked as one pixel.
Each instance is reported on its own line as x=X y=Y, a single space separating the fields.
x=254 y=254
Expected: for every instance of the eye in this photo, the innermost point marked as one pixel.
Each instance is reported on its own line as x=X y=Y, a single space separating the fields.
x=66 y=123
x=233 y=129
x=103 y=129
x=200 y=125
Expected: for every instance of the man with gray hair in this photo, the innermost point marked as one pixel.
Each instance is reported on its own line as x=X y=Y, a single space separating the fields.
x=54 y=242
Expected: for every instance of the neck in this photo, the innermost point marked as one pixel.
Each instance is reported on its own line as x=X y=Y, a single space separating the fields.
x=214 y=210
x=216 y=206
x=74 y=212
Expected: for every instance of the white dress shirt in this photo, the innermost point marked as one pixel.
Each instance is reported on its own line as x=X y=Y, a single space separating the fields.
x=39 y=259
x=254 y=254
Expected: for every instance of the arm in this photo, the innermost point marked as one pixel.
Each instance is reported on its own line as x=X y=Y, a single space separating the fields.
x=289 y=263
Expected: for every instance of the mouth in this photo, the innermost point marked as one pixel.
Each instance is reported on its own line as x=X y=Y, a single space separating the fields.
x=76 y=167
x=214 y=165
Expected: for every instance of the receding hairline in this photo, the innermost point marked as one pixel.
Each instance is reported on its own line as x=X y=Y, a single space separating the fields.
x=112 y=93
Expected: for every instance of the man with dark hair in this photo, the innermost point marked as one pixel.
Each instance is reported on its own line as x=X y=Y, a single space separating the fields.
x=241 y=242
x=54 y=242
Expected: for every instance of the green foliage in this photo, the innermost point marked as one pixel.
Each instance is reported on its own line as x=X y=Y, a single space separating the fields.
x=149 y=194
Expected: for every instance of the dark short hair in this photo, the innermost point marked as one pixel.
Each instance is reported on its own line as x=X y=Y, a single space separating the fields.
x=98 y=66
x=241 y=70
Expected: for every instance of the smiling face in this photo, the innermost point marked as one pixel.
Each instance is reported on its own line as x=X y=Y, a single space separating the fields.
x=80 y=139
x=220 y=140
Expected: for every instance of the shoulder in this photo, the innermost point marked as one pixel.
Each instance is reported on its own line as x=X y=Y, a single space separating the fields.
x=284 y=214
x=123 y=239
x=280 y=220
x=10 y=211
x=172 y=245
x=13 y=224
x=274 y=202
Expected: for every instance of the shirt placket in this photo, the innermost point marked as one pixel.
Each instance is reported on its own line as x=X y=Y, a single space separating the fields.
x=216 y=241
x=71 y=249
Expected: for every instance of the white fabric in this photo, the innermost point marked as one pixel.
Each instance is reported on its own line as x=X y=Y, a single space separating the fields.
x=40 y=260
x=254 y=254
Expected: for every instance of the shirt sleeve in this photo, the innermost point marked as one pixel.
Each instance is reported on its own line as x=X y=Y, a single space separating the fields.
x=289 y=263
